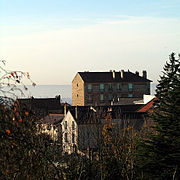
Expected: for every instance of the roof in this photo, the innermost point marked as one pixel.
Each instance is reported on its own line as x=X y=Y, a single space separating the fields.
x=42 y=103
x=52 y=119
x=88 y=115
x=147 y=106
x=93 y=77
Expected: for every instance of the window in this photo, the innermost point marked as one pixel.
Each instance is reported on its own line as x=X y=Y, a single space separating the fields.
x=89 y=87
x=65 y=125
x=65 y=137
x=130 y=95
x=73 y=138
x=119 y=87
x=130 y=87
x=73 y=125
x=110 y=97
x=101 y=87
x=90 y=98
x=102 y=97
x=110 y=87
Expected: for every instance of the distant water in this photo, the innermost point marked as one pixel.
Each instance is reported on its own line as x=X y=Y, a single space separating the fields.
x=48 y=91
x=65 y=91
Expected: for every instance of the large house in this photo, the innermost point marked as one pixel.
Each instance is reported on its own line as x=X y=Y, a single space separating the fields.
x=108 y=88
x=82 y=125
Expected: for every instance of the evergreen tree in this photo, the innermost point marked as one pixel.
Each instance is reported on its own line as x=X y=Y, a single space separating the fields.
x=158 y=156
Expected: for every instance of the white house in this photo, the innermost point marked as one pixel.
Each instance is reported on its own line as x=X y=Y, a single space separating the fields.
x=50 y=125
x=69 y=133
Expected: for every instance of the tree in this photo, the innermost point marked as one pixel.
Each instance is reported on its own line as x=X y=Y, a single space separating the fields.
x=158 y=156
x=24 y=152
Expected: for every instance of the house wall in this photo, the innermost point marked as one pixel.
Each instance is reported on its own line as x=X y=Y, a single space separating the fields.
x=77 y=91
x=90 y=135
x=68 y=147
x=138 y=90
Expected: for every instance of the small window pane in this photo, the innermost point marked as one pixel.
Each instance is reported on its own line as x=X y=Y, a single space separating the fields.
x=101 y=87
x=119 y=87
x=65 y=137
x=110 y=97
x=90 y=98
x=101 y=97
x=73 y=138
x=73 y=126
x=130 y=86
x=89 y=87
x=110 y=87
x=65 y=125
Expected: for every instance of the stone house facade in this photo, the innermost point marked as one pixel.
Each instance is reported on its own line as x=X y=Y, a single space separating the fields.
x=107 y=88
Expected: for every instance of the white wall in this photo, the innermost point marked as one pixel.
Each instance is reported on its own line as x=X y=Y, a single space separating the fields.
x=68 y=146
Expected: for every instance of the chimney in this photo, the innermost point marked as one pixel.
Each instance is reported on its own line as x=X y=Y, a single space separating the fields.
x=144 y=74
x=122 y=74
x=76 y=112
x=137 y=73
x=114 y=74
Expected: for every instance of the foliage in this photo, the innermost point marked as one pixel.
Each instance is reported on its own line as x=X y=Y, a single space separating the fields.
x=25 y=153
x=158 y=156
x=10 y=80
x=118 y=151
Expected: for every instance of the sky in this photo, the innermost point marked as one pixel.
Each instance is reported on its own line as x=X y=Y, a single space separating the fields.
x=55 y=39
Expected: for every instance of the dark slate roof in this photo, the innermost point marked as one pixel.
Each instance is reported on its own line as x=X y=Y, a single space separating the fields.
x=52 y=119
x=44 y=104
x=93 y=77
x=86 y=115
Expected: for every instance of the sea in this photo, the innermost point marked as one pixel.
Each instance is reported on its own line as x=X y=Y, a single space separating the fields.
x=47 y=91
x=50 y=91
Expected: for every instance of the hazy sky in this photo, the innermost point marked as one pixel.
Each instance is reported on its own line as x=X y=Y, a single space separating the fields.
x=54 y=39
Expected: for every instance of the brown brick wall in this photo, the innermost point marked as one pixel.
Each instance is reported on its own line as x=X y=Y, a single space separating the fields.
x=138 y=90
x=82 y=97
